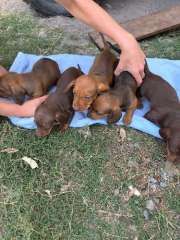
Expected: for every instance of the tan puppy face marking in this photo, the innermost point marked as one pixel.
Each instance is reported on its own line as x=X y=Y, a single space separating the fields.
x=85 y=91
x=106 y=105
x=101 y=107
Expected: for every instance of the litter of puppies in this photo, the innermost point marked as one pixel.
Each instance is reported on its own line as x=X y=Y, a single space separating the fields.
x=99 y=92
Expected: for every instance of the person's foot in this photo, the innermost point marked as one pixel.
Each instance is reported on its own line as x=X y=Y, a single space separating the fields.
x=2 y=70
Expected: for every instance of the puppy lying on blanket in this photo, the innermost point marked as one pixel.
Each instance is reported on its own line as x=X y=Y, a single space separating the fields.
x=57 y=108
x=121 y=97
x=165 y=111
x=36 y=83
x=98 y=80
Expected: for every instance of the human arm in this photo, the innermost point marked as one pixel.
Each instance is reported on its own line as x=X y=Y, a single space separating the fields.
x=25 y=110
x=132 y=58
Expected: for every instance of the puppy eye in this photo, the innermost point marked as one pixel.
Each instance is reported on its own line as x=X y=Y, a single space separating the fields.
x=87 y=97
x=97 y=112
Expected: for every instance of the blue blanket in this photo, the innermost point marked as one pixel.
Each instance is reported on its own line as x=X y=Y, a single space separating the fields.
x=168 y=69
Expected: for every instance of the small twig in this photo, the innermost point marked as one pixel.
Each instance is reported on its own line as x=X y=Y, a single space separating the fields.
x=70 y=222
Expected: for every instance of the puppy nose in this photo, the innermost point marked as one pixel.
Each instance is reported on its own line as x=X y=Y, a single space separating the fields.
x=78 y=107
x=75 y=107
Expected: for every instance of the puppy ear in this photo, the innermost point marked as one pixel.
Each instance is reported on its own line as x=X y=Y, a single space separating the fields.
x=165 y=133
x=69 y=86
x=102 y=87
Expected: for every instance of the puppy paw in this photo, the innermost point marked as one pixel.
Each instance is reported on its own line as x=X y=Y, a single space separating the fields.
x=127 y=120
x=64 y=128
x=114 y=117
x=140 y=104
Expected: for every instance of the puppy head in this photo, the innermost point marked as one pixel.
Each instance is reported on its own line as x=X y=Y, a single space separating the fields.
x=85 y=92
x=105 y=105
x=45 y=120
x=172 y=138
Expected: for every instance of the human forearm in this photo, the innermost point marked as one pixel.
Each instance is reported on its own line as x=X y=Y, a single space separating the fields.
x=92 y=14
x=27 y=109
x=132 y=57
x=10 y=109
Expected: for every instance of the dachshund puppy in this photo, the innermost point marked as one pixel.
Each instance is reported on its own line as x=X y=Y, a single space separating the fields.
x=165 y=111
x=45 y=73
x=57 y=108
x=121 y=97
x=98 y=80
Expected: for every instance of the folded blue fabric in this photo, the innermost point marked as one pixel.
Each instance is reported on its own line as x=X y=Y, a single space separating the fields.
x=168 y=69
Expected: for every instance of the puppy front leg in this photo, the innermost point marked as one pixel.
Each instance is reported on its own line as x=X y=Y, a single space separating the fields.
x=65 y=122
x=37 y=94
x=114 y=116
x=39 y=91
x=140 y=104
x=153 y=116
x=64 y=127
x=130 y=111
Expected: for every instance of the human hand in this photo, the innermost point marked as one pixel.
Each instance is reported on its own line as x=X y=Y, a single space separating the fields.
x=132 y=59
x=29 y=107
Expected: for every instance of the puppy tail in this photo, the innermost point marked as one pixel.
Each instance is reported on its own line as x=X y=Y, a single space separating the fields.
x=146 y=68
x=106 y=45
x=94 y=42
x=80 y=70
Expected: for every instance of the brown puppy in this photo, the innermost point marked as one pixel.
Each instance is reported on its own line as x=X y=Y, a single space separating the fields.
x=36 y=83
x=57 y=108
x=98 y=80
x=121 y=97
x=165 y=111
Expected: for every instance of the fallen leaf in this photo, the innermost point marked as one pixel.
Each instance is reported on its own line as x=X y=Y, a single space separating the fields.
x=31 y=162
x=85 y=201
x=9 y=150
x=122 y=133
x=65 y=188
x=48 y=193
x=133 y=191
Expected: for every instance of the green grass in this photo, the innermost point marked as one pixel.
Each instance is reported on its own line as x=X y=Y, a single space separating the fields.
x=166 y=45
x=88 y=177
x=18 y=33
